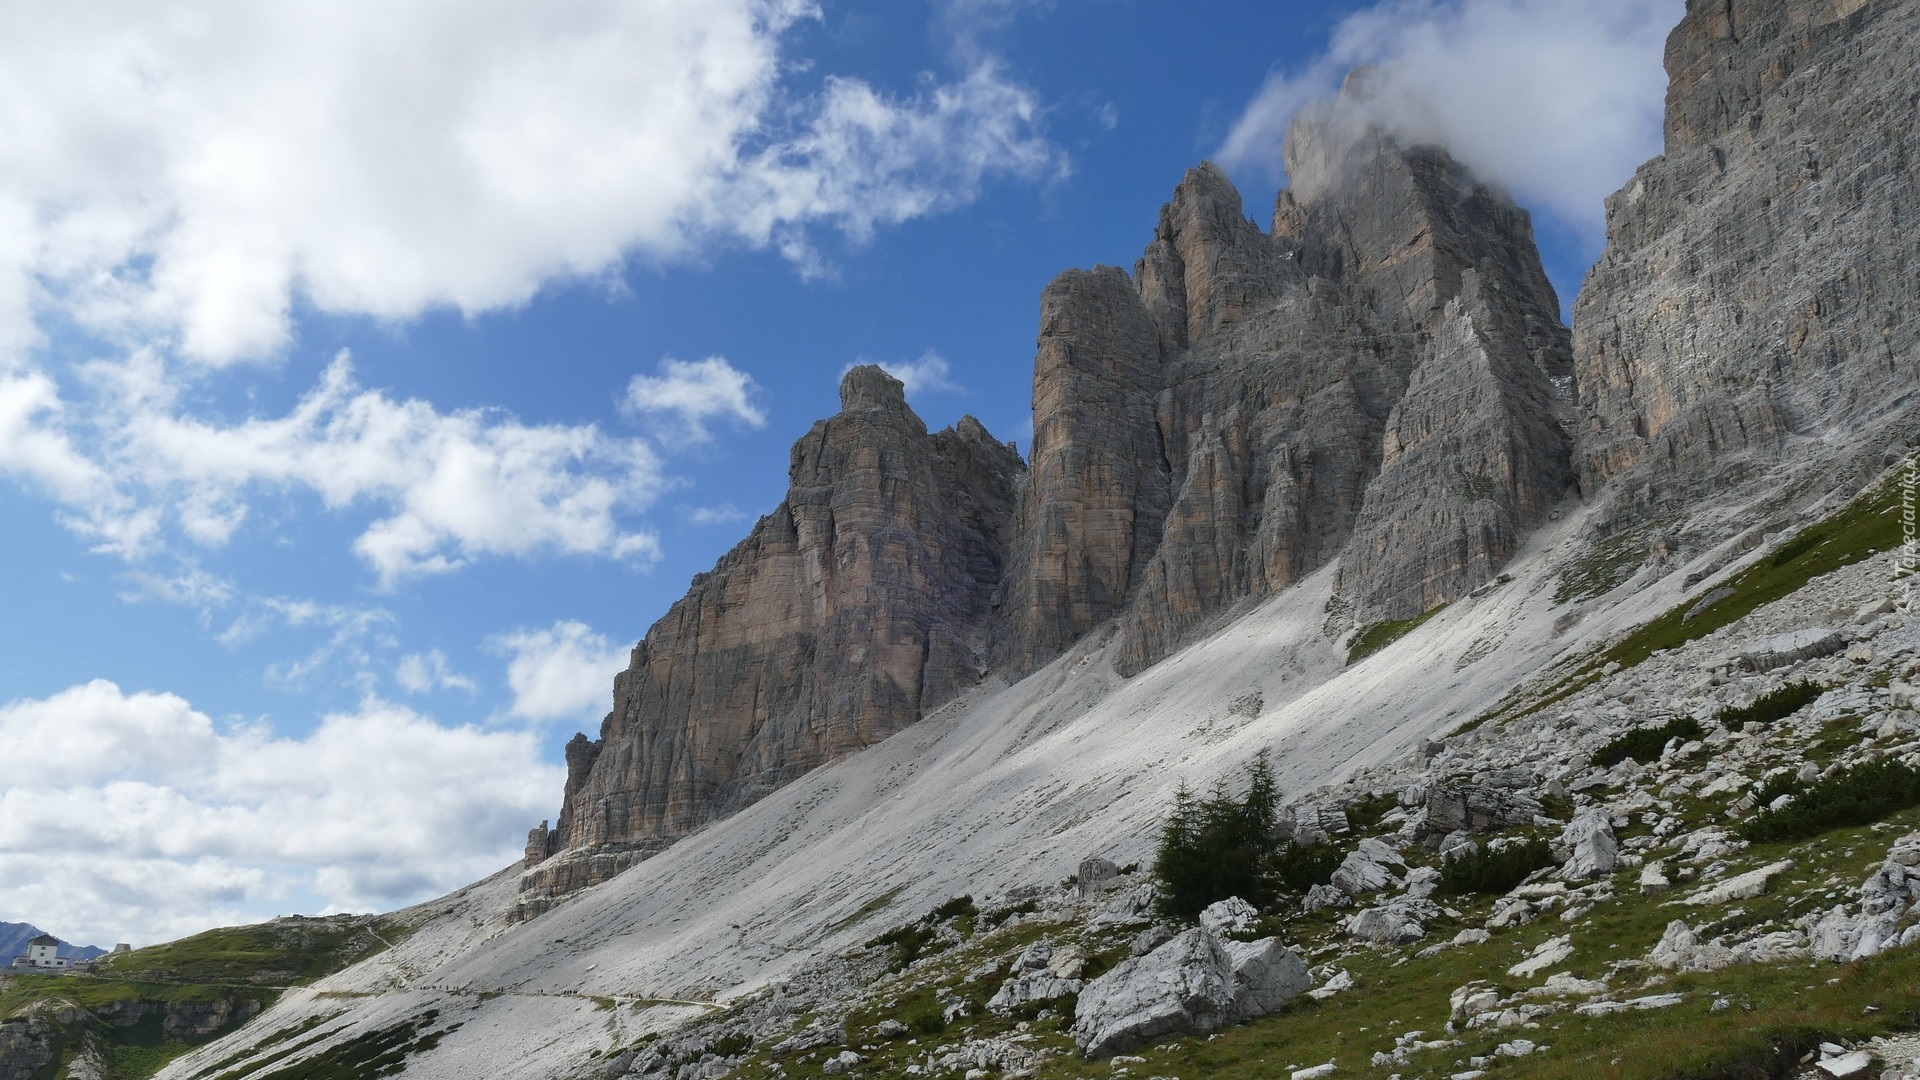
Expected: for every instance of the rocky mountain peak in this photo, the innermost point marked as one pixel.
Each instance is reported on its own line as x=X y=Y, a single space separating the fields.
x=869 y=386
x=852 y=610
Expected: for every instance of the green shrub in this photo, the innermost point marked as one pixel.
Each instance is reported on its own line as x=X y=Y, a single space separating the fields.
x=1857 y=796
x=1492 y=870
x=1000 y=915
x=905 y=944
x=1300 y=867
x=733 y=1045
x=1219 y=846
x=1783 y=784
x=929 y=1022
x=1645 y=744
x=953 y=909
x=1772 y=705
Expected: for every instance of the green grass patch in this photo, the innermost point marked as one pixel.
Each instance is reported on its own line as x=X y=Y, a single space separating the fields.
x=1606 y=563
x=1380 y=635
x=1856 y=796
x=1869 y=524
x=1486 y=869
x=1777 y=704
x=290 y=952
x=1646 y=744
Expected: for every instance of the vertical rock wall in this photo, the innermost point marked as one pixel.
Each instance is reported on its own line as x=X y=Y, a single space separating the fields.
x=855 y=608
x=1759 y=299
x=1379 y=378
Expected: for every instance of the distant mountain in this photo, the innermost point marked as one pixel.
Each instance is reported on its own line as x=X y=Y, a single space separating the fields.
x=15 y=935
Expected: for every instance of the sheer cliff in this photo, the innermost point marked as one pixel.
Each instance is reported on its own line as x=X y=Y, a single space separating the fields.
x=1380 y=376
x=1757 y=300
x=854 y=609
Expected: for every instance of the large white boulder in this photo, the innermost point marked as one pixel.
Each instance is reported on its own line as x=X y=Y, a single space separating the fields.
x=1368 y=868
x=1194 y=984
x=1590 y=846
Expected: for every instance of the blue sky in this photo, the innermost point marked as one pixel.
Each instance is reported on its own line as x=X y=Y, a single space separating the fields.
x=373 y=375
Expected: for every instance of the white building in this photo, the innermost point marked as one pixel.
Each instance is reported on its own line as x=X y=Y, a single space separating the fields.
x=43 y=954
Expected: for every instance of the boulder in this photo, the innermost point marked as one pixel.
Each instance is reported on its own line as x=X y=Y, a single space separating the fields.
x=1266 y=975
x=1460 y=807
x=1741 y=887
x=1398 y=922
x=1590 y=847
x=1095 y=875
x=1793 y=648
x=1131 y=908
x=1194 y=984
x=1545 y=955
x=1230 y=916
x=1368 y=868
x=1321 y=897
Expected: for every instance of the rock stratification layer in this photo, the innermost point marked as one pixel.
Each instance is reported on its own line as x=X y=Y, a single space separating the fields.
x=1757 y=299
x=855 y=608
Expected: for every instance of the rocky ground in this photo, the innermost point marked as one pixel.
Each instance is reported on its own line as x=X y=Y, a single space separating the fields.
x=1656 y=939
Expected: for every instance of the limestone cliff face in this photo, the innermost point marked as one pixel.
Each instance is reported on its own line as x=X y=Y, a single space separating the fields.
x=1380 y=376
x=855 y=608
x=1757 y=300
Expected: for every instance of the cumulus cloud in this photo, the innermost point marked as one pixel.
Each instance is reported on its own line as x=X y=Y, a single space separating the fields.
x=135 y=817
x=420 y=673
x=931 y=374
x=190 y=173
x=449 y=487
x=690 y=393
x=1558 y=100
x=563 y=672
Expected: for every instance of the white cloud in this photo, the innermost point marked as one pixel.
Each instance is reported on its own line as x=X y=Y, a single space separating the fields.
x=931 y=374
x=563 y=672
x=1558 y=100
x=188 y=173
x=865 y=160
x=724 y=514
x=134 y=817
x=451 y=487
x=693 y=392
x=420 y=673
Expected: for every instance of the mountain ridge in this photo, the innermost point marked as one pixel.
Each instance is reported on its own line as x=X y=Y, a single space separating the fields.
x=1111 y=683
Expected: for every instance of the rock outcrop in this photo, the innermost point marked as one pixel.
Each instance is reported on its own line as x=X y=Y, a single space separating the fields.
x=1756 y=300
x=1378 y=378
x=855 y=608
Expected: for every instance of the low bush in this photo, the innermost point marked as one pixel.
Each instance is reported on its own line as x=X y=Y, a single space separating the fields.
x=930 y=1022
x=955 y=908
x=1772 y=705
x=1492 y=870
x=1773 y=788
x=1645 y=744
x=1300 y=867
x=999 y=915
x=1858 y=796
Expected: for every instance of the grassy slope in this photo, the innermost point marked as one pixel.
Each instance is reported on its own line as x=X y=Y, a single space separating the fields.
x=234 y=964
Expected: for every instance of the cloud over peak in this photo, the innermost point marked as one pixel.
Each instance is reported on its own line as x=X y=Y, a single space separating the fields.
x=1558 y=100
